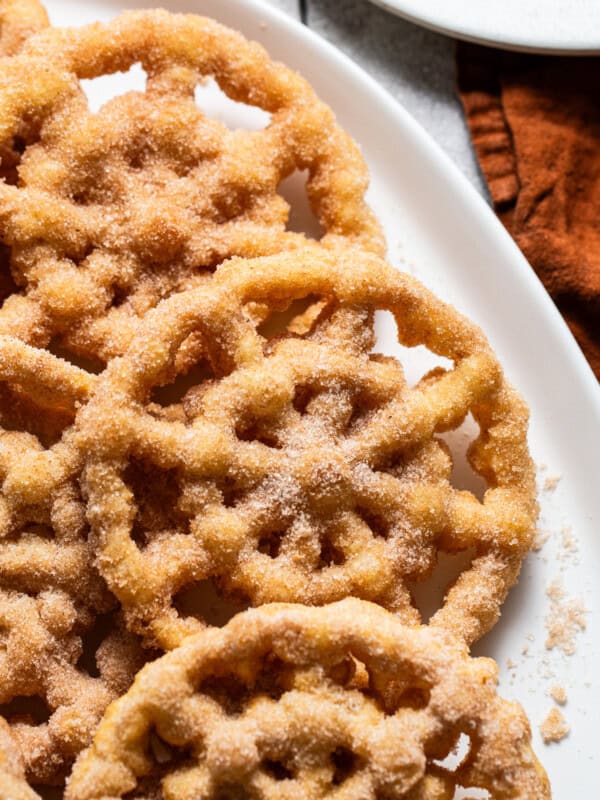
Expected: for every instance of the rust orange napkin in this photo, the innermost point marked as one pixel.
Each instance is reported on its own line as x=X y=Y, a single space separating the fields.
x=535 y=125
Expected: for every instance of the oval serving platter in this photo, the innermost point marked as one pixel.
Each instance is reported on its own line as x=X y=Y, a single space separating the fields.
x=440 y=229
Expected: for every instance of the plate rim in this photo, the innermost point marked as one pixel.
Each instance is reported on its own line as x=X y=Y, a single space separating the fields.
x=563 y=48
x=515 y=260
x=451 y=173
x=517 y=274
x=517 y=270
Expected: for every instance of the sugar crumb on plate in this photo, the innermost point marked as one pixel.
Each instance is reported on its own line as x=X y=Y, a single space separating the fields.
x=554 y=728
x=559 y=694
x=541 y=537
x=565 y=619
x=551 y=482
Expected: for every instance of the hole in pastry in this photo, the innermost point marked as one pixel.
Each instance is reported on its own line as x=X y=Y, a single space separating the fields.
x=301 y=218
x=138 y=534
x=85 y=362
x=457 y=754
x=428 y=595
x=86 y=195
x=463 y=475
x=41 y=531
x=302 y=398
x=416 y=361
x=29 y=530
x=214 y=103
x=120 y=295
x=10 y=159
x=138 y=157
x=19 y=412
x=375 y=522
x=330 y=555
x=274 y=677
x=406 y=692
x=91 y=641
x=471 y=793
x=298 y=318
x=156 y=495
x=162 y=752
x=174 y=392
x=344 y=763
x=204 y=600
x=416 y=697
x=164 y=757
x=231 y=492
x=30 y=710
x=351 y=673
x=255 y=432
x=232 y=791
x=80 y=251
x=270 y=543
x=227 y=690
x=277 y=770
x=7 y=283
x=19 y=144
x=49 y=792
x=105 y=87
x=149 y=786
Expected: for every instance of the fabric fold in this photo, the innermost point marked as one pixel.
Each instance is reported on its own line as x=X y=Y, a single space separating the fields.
x=535 y=126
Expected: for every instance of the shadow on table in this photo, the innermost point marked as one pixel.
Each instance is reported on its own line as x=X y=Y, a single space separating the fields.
x=390 y=47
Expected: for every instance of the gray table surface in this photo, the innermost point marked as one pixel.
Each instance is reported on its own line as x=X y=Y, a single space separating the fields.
x=415 y=65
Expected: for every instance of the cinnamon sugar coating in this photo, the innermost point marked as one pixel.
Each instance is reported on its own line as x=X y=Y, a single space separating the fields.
x=19 y=19
x=303 y=467
x=289 y=702
x=42 y=659
x=13 y=785
x=244 y=437
x=53 y=688
x=106 y=213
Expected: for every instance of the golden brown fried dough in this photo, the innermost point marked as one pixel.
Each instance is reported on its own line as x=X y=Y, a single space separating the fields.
x=243 y=437
x=304 y=468
x=300 y=703
x=62 y=659
x=19 y=19
x=13 y=785
x=110 y=212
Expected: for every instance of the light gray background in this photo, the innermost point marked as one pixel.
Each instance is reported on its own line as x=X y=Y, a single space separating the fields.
x=415 y=65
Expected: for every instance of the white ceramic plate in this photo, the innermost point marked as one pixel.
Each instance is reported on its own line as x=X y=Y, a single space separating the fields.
x=440 y=229
x=551 y=26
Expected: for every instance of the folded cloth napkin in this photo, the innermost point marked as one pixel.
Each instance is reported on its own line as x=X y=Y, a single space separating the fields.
x=535 y=125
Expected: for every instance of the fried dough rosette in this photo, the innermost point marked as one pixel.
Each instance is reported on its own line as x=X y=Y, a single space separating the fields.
x=104 y=214
x=19 y=19
x=13 y=785
x=303 y=467
x=294 y=703
x=64 y=654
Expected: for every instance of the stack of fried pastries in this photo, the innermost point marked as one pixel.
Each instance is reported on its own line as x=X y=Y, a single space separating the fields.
x=219 y=502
